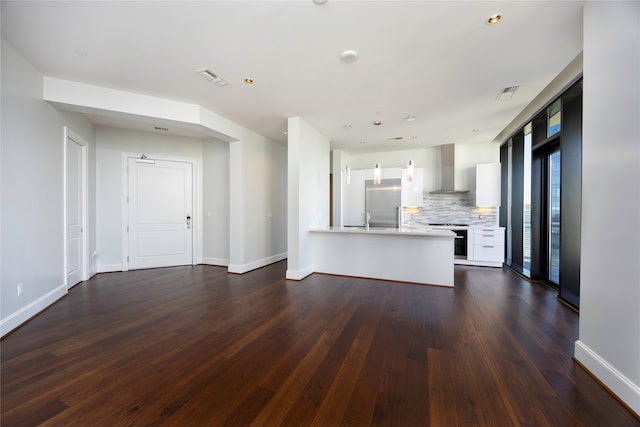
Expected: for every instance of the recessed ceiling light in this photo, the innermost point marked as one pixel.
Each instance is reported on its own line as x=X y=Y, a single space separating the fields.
x=377 y=123
x=414 y=136
x=347 y=126
x=494 y=19
x=475 y=130
x=410 y=119
x=349 y=56
x=319 y=1
x=248 y=80
x=285 y=132
x=80 y=52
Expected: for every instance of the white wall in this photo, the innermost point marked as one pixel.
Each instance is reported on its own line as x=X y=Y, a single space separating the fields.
x=308 y=193
x=111 y=144
x=215 y=202
x=32 y=192
x=467 y=157
x=609 y=344
x=258 y=205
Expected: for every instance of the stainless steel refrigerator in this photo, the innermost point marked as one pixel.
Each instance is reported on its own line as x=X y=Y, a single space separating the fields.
x=382 y=202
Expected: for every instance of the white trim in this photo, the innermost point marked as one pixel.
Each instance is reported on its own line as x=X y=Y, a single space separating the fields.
x=93 y=271
x=620 y=385
x=300 y=274
x=243 y=268
x=20 y=316
x=109 y=268
x=124 y=266
x=69 y=134
x=223 y=262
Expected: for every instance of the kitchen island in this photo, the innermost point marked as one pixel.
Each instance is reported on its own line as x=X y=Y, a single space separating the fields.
x=417 y=255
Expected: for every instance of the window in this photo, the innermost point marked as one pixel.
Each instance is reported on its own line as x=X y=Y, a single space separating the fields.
x=509 y=256
x=554 y=114
x=553 y=219
x=526 y=208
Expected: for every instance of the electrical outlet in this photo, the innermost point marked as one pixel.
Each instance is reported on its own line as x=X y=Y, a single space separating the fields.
x=20 y=289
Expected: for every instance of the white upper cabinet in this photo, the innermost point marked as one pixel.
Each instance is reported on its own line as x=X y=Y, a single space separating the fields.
x=488 y=184
x=411 y=195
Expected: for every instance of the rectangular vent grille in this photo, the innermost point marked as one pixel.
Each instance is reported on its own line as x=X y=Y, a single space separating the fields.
x=213 y=77
x=507 y=92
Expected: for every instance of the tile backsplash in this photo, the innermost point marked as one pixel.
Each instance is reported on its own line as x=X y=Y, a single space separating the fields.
x=450 y=208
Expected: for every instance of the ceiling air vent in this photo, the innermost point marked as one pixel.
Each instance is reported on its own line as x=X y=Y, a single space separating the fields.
x=507 y=92
x=213 y=77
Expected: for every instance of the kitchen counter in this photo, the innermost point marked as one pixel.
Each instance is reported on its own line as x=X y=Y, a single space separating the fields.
x=413 y=231
x=418 y=255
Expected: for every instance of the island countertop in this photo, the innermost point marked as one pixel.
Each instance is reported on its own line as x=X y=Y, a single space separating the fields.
x=416 y=255
x=409 y=231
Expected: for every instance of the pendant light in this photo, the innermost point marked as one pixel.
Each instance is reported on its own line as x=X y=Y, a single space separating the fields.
x=410 y=171
x=377 y=174
x=347 y=175
x=410 y=165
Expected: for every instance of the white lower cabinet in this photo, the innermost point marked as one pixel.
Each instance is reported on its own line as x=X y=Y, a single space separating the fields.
x=486 y=245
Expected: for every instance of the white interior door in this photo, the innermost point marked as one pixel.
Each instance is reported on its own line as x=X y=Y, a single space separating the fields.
x=160 y=214
x=74 y=214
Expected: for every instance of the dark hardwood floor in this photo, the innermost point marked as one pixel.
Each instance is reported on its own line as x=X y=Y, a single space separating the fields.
x=194 y=346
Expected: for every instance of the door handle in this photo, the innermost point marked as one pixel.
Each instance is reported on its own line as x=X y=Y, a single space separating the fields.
x=188 y=221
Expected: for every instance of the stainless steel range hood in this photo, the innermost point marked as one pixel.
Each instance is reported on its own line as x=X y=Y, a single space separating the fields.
x=448 y=171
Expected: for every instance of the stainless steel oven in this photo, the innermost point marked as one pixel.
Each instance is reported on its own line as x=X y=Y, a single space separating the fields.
x=460 y=242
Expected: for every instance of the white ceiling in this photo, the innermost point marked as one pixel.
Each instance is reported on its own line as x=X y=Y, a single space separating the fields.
x=437 y=61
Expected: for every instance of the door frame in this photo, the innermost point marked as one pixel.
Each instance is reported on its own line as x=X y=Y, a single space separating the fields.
x=69 y=134
x=125 y=202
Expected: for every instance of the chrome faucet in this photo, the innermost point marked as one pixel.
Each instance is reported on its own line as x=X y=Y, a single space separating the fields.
x=368 y=216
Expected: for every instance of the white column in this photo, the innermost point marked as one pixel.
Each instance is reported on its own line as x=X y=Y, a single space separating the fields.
x=609 y=344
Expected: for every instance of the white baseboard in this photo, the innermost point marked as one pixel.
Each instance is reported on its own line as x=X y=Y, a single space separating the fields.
x=620 y=385
x=299 y=274
x=93 y=271
x=243 y=268
x=223 y=262
x=17 y=318
x=108 y=268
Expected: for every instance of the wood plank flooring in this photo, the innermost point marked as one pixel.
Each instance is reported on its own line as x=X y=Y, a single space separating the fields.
x=195 y=346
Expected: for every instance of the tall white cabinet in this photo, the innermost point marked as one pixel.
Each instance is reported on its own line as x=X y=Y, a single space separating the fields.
x=411 y=192
x=353 y=199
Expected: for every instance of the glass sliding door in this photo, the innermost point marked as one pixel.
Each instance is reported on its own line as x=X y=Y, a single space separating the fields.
x=553 y=217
